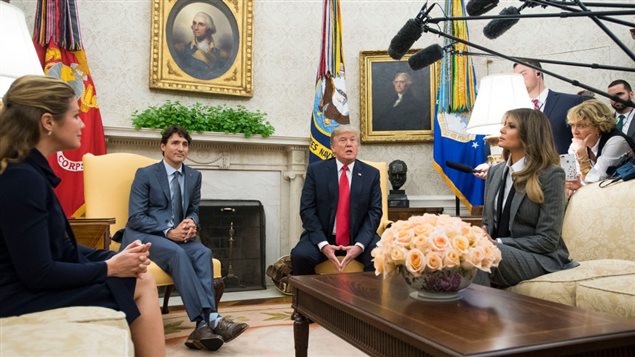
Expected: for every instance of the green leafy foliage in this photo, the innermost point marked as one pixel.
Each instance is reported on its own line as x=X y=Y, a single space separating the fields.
x=200 y=118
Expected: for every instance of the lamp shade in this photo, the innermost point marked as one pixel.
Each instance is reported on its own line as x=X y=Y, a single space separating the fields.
x=497 y=94
x=17 y=53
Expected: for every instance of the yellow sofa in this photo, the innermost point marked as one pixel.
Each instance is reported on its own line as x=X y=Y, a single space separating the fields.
x=74 y=331
x=599 y=230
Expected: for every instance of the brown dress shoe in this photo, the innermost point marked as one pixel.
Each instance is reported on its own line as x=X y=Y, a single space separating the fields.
x=203 y=338
x=229 y=329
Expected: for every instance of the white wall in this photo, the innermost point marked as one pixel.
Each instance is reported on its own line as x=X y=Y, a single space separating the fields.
x=286 y=49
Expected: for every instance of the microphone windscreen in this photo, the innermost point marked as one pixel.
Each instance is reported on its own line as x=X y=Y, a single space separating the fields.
x=460 y=167
x=403 y=40
x=498 y=27
x=425 y=57
x=479 y=7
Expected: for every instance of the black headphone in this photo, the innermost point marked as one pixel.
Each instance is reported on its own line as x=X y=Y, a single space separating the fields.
x=538 y=74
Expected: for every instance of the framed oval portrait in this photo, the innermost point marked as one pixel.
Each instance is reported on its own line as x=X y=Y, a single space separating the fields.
x=202 y=46
x=202 y=38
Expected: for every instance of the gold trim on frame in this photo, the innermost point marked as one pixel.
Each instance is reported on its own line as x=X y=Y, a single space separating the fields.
x=165 y=72
x=366 y=59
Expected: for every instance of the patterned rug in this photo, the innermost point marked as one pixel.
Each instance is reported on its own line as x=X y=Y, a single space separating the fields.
x=270 y=333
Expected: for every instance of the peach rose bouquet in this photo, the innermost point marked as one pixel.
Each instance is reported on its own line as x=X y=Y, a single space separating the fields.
x=434 y=243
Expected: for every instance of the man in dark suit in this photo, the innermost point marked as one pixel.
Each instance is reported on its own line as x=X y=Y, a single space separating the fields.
x=405 y=111
x=163 y=210
x=340 y=208
x=623 y=114
x=555 y=105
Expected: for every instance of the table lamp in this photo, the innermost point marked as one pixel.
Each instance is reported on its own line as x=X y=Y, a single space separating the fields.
x=17 y=53
x=497 y=94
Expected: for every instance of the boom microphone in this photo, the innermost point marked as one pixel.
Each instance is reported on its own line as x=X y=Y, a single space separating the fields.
x=425 y=57
x=498 y=27
x=459 y=167
x=479 y=7
x=403 y=40
x=409 y=33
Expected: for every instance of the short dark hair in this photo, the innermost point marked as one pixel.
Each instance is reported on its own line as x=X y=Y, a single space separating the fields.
x=175 y=129
x=622 y=82
x=531 y=62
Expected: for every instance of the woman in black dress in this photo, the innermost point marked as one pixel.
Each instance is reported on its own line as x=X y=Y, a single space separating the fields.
x=41 y=265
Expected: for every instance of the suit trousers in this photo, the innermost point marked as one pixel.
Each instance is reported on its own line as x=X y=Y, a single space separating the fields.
x=306 y=255
x=516 y=265
x=190 y=265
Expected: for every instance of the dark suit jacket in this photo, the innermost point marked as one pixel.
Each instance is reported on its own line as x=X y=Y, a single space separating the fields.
x=534 y=228
x=150 y=207
x=556 y=108
x=409 y=114
x=41 y=265
x=318 y=205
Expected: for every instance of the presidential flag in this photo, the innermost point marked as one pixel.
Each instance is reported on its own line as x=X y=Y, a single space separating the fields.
x=330 y=106
x=455 y=99
x=59 y=46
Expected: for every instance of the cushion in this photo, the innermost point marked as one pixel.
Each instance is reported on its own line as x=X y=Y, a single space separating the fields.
x=599 y=223
x=81 y=314
x=561 y=286
x=65 y=339
x=80 y=331
x=614 y=295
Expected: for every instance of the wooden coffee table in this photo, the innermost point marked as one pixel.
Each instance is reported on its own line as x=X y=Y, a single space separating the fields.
x=378 y=317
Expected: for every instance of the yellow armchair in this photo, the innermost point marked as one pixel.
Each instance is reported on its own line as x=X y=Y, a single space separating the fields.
x=326 y=267
x=107 y=182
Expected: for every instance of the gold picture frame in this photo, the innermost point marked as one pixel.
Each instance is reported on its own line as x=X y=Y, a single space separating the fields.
x=386 y=117
x=219 y=62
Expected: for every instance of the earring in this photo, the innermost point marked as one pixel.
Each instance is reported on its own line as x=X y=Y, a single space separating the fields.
x=49 y=132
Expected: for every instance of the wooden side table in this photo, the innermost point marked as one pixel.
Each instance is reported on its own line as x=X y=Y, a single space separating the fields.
x=402 y=213
x=92 y=232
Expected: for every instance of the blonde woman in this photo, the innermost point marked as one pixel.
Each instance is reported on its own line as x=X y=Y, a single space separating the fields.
x=41 y=265
x=597 y=144
x=524 y=201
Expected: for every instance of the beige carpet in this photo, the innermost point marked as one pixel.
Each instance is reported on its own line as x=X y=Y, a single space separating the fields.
x=270 y=334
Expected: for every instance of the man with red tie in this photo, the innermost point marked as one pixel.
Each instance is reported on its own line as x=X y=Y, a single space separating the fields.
x=555 y=105
x=340 y=208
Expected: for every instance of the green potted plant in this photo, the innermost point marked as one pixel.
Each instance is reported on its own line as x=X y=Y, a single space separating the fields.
x=200 y=118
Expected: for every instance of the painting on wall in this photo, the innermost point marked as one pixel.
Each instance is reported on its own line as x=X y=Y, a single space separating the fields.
x=396 y=103
x=202 y=46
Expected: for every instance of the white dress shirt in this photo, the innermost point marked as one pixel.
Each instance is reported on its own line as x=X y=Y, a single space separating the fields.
x=612 y=152
x=542 y=99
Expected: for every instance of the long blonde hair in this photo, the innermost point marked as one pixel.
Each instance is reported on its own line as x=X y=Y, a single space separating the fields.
x=28 y=98
x=540 y=151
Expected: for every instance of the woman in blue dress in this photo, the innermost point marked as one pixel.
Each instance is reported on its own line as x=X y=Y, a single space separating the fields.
x=41 y=265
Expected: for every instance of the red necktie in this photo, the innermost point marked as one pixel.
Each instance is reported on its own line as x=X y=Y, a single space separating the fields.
x=342 y=217
x=536 y=106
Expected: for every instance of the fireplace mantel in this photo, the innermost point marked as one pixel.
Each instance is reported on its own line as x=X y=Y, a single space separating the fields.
x=234 y=167
x=154 y=136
